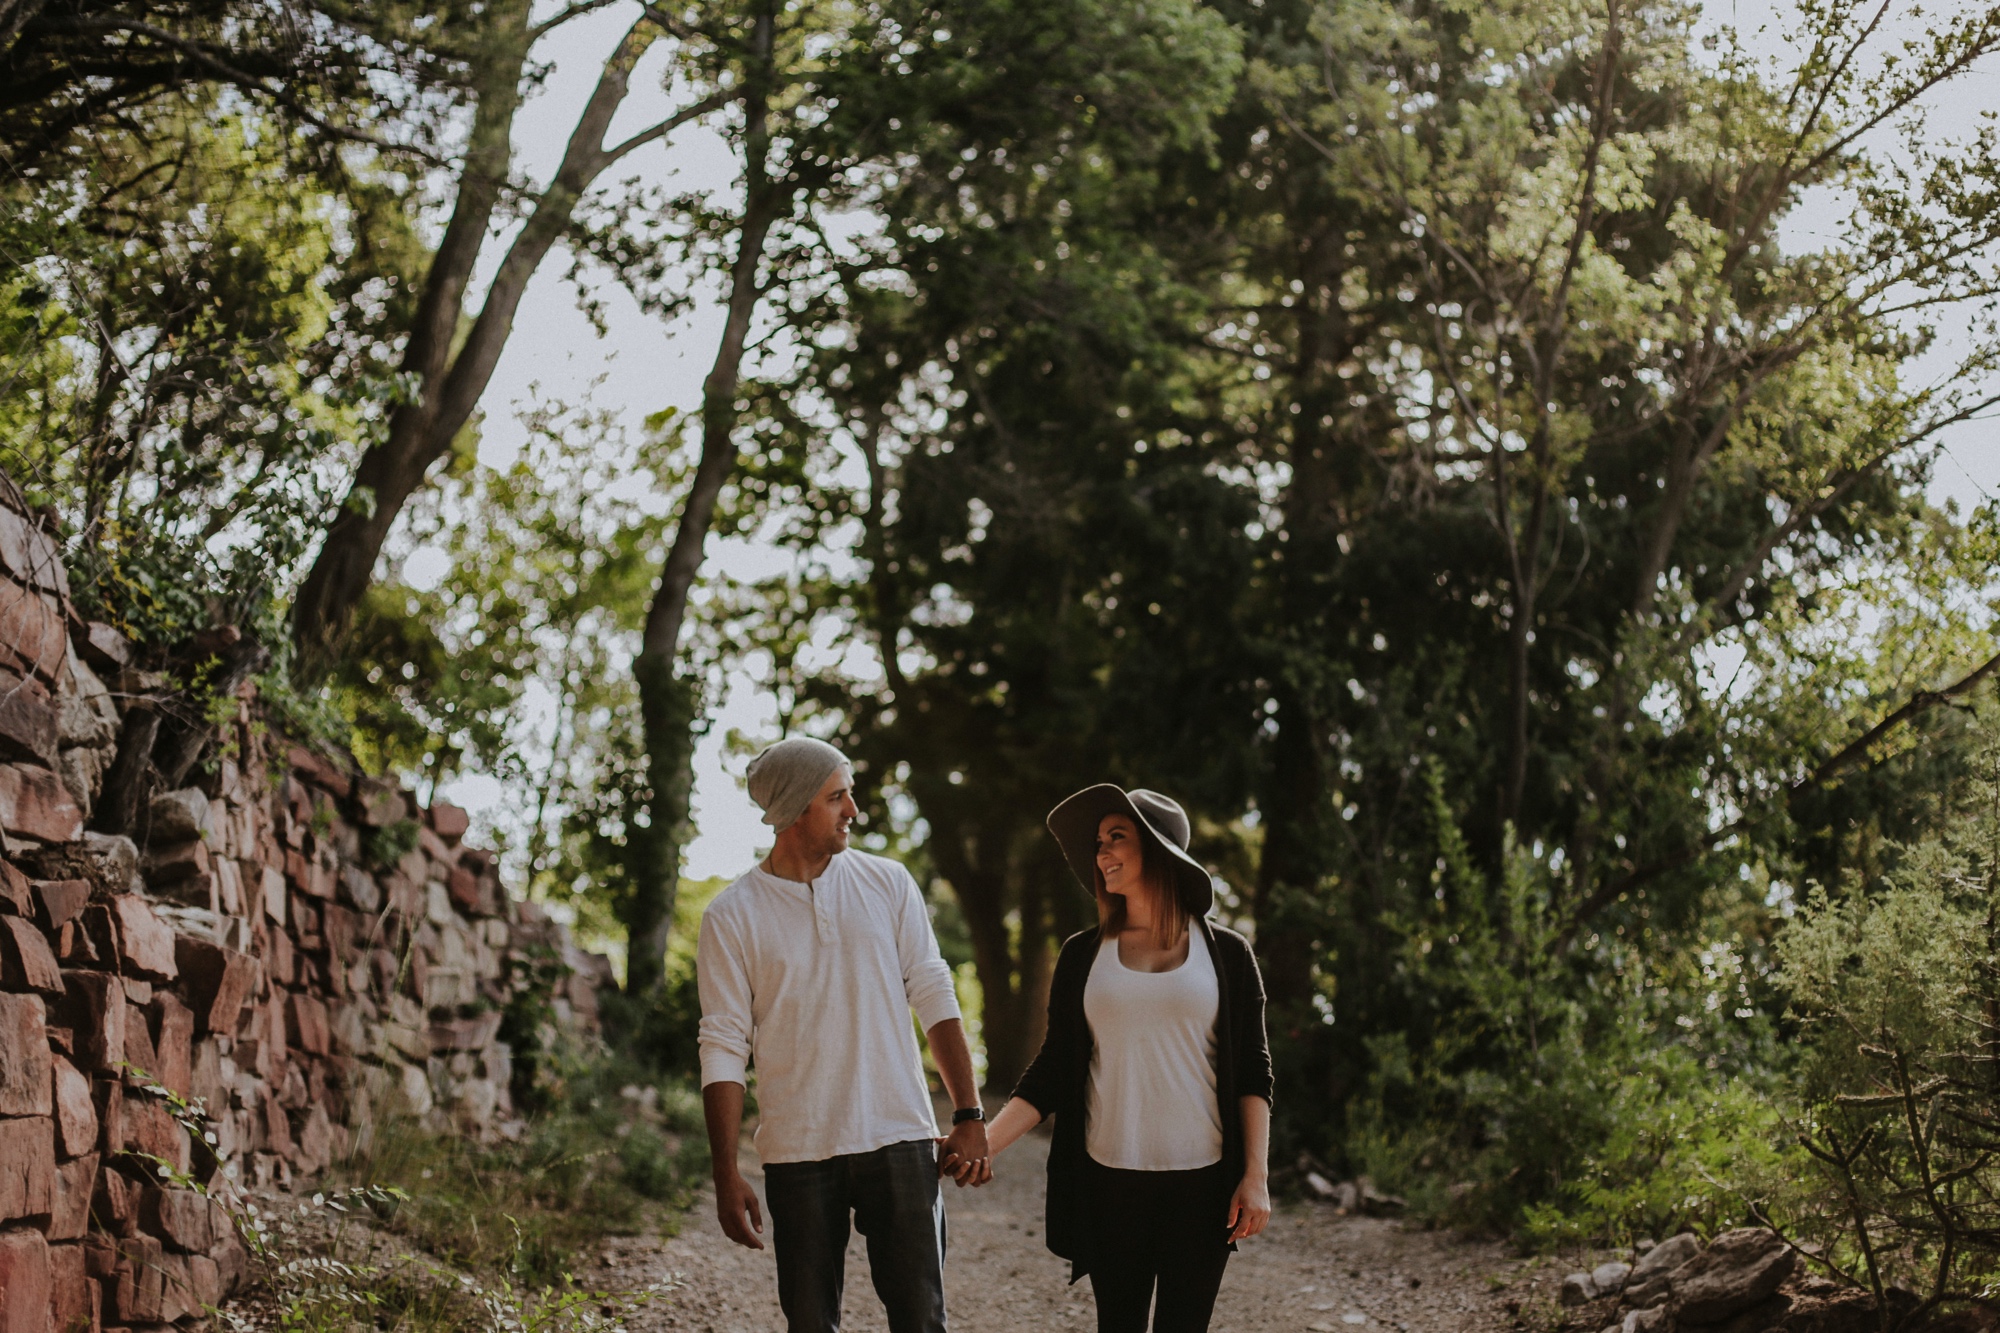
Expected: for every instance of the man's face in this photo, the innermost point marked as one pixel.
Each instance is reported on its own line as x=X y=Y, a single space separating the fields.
x=822 y=829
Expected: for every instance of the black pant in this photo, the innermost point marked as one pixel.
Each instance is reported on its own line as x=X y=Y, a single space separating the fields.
x=893 y=1194
x=1157 y=1229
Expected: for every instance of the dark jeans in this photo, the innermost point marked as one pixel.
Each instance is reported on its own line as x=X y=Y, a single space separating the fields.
x=893 y=1194
x=1164 y=1230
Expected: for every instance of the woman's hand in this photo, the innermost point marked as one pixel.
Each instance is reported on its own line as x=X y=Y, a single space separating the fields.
x=1249 y=1208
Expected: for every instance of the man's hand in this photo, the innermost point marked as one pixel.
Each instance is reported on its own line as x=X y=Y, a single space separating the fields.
x=962 y=1154
x=733 y=1199
x=1249 y=1208
x=722 y=1108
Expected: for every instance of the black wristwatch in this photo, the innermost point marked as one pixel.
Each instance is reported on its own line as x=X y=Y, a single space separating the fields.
x=965 y=1113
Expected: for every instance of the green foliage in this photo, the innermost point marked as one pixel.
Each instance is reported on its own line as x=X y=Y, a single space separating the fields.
x=193 y=317
x=1894 y=989
x=1576 y=1099
x=383 y=847
x=658 y=1028
x=621 y=1139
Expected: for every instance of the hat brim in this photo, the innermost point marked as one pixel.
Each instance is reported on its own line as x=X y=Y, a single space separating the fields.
x=1074 y=823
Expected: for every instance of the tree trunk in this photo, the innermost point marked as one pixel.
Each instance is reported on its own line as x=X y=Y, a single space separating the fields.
x=391 y=469
x=451 y=385
x=995 y=872
x=669 y=706
x=668 y=701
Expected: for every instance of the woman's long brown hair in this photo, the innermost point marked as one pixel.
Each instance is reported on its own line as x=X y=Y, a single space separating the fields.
x=1170 y=919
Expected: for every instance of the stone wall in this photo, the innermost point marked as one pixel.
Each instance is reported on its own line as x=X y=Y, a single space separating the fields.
x=190 y=905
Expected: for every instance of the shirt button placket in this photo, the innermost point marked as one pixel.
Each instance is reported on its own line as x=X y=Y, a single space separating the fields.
x=822 y=917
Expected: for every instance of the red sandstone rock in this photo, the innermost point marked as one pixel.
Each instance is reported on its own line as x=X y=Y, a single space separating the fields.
x=319 y=772
x=176 y=1289
x=32 y=630
x=172 y=1025
x=28 y=551
x=463 y=886
x=93 y=1008
x=58 y=901
x=104 y=647
x=205 y=1277
x=139 y=1052
x=145 y=943
x=216 y=981
x=26 y=961
x=232 y=1261
x=150 y=1128
x=136 y=1289
x=103 y=936
x=30 y=725
x=74 y=947
x=16 y=896
x=76 y=1182
x=206 y=1075
x=179 y=1217
x=316 y=1140
x=27 y=1168
x=271 y=893
x=25 y=1287
x=76 y=1117
x=279 y=963
x=382 y=803
x=25 y=1071
x=341 y=927
x=306 y=1025
x=108 y=1097
x=115 y=1204
x=448 y=821
x=176 y=862
x=465 y=1034
x=71 y=1307
x=100 y=1256
x=277 y=1129
x=35 y=804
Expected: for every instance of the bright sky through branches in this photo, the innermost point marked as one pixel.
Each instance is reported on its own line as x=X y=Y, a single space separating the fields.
x=643 y=366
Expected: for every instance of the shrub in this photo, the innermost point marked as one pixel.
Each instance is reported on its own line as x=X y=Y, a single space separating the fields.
x=1895 y=986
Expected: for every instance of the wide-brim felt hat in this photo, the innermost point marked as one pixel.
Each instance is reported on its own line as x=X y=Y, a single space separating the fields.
x=1162 y=824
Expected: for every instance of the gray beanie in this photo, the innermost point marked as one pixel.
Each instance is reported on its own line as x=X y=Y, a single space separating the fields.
x=785 y=778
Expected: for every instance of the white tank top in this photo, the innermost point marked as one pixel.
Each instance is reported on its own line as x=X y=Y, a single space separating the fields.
x=1151 y=1102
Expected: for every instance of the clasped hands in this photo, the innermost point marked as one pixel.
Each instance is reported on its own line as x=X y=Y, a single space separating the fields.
x=963 y=1155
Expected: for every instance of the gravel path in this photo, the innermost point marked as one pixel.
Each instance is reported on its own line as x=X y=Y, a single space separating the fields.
x=1311 y=1272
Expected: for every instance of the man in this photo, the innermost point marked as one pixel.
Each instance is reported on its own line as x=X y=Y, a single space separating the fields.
x=811 y=965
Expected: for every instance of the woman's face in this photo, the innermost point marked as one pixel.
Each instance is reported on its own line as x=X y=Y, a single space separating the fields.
x=1119 y=856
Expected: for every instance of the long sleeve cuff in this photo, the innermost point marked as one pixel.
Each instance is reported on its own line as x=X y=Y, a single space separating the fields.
x=932 y=995
x=721 y=1066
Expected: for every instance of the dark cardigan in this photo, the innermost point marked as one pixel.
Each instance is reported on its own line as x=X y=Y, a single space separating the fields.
x=1056 y=1083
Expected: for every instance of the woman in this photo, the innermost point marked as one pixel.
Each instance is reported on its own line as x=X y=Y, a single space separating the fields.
x=1155 y=1068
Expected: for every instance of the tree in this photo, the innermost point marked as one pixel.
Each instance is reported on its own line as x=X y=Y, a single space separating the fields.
x=1560 y=418
x=448 y=367
x=836 y=108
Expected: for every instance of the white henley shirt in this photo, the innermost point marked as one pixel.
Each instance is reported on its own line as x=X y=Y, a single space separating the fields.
x=815 y=985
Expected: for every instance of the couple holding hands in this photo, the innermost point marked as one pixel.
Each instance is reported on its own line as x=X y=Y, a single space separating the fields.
x=1155 y=1065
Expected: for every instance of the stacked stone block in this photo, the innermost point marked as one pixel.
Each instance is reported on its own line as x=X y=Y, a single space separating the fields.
x=297 y=949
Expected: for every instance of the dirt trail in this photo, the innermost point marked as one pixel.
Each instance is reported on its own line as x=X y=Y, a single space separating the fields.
x=1311 y=1272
